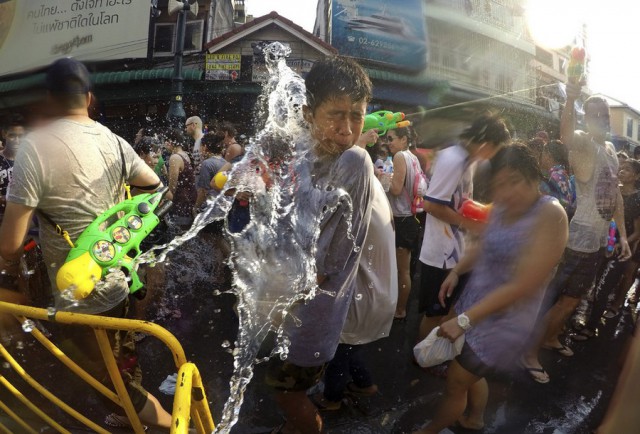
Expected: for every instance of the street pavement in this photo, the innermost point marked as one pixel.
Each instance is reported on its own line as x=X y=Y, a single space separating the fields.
x=198 y=309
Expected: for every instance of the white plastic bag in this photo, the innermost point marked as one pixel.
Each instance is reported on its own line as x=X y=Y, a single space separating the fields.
x=433 y=350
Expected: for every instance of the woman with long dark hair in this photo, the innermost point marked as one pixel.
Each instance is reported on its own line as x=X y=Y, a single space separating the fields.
x=510 y=269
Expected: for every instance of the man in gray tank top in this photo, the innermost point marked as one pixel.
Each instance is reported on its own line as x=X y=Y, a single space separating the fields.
x=594 y=163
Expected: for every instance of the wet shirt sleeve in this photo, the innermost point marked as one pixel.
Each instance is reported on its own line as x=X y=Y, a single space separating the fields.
x=26 y=186
x=342 y=232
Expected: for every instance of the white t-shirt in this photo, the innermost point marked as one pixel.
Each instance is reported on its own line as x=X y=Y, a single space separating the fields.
x=371 y=311
x=450 y=184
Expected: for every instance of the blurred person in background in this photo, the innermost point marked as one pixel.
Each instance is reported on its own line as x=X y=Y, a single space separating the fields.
x=510 y=269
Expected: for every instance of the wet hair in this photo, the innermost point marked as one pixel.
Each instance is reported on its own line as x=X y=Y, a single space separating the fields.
x=622 y=154
x=147 y=131
x=518 y=157
x=334 y=77
x=487 y=128
x=409 y=133
x=213 y=142
x=227 y=127
x=177 y=137
x=14 y=120
x=146 y=145
x=558 y=152
x=594 y=100
x=536 y=145
x=635 y=165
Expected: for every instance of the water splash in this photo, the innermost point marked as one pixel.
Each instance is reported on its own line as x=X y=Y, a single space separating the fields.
x=272 y=257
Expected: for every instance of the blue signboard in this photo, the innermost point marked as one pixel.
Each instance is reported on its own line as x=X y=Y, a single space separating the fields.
x=385 y=31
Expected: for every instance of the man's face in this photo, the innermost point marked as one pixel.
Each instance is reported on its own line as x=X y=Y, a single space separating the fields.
x=12 y=136
x=336 y=123
x=190 y=128
x=596 y=117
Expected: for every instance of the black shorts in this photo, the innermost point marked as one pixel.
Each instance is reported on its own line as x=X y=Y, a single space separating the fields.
x=472 y=363
x=407 y=232
x=282 y=375
x=431 y=279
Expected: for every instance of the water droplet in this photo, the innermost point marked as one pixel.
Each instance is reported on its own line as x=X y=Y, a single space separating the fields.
x=19 y=345
x=6 y=365
x=358 y=297
x=28 y=326
x=217 y=310
x=356 y=249
x=51 y=311
x=216 y=292
x=316 y=355
x=225 y=344
x=370 y=247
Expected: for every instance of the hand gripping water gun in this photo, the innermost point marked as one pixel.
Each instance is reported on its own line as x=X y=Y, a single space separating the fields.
x=384 y=121
x=575 y=70
x=475 y=211
x=112 y=240
x=611 y=239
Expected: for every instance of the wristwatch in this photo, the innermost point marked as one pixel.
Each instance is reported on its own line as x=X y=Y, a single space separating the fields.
x=463 y=322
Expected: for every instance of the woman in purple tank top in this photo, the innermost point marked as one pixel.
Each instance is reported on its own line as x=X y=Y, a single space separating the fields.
x=523 y=243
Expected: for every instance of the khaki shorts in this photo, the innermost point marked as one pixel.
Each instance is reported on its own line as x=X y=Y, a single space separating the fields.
x=282 y=375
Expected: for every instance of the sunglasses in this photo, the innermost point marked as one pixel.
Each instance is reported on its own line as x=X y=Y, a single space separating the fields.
x=389 y=138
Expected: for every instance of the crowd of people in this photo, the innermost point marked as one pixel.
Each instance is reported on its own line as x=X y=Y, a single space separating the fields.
x=509 y=285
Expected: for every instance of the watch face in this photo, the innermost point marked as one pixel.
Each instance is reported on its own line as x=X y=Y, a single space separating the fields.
x=463 y=321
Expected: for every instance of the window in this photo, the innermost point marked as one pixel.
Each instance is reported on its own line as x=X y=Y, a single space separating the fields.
x=165 y=37
x=629 y=127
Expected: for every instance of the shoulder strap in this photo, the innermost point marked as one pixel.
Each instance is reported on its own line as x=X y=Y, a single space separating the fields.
x=126 y=187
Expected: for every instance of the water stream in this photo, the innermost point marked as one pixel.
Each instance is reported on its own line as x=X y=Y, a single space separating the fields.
x=272 y=257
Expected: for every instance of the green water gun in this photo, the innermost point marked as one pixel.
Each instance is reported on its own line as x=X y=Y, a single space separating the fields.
x=112 y=240
x=384 y=121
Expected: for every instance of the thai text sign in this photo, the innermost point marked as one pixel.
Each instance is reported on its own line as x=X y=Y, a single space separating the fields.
x=222 y=66
x=33 y=33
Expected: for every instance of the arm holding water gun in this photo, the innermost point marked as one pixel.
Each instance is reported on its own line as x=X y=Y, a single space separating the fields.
x=575 y=81
x=383 y=121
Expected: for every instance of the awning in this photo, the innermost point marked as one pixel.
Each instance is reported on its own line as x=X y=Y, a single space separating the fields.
x=101 y=78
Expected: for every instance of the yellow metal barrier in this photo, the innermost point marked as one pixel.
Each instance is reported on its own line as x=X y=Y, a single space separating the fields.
x=189 y=405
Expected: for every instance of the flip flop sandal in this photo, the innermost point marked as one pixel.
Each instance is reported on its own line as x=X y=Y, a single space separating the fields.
x=117 y=421
x=563 y=350
x=539 y=375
